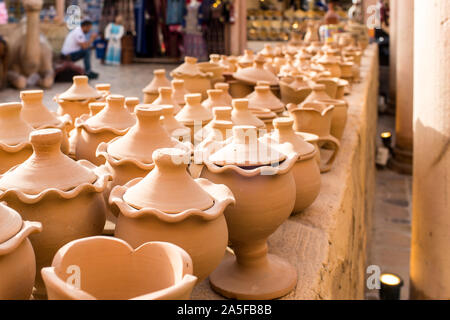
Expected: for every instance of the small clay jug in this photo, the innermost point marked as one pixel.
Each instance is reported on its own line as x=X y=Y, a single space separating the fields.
x=166 y=98
x=112 y=270
x=215 y=99
x=17 y=260
x=179 y=91
x=112 y=121
x=173 y=127
x=241 y=115
x=14 y=131
x=261 y=180
x=339 y=118
x=195 y=80
x=151 y=90
x=225 y=87
x=169 y=204
x=306 y=170
x=131 y=103
x=66 y=196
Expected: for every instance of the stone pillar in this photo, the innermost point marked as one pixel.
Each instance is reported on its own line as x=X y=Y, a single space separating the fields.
x=402 y=159
x=392 y=53
x=239 y=28
x=430 y=246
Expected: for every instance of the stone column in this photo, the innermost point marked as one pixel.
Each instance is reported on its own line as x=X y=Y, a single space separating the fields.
x=430 y=246
x=392 y=53
x=402 y=159
x=239 y=28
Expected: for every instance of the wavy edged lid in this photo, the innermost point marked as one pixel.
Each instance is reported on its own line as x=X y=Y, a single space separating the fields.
x=256 y=73
x=169 y=187
x=114 y=115
x=159 y=80
x=10 y=222
x=33 y=110
x=193 y=110
x=47 y=167
x=245 y=150
x=189 y=68
x=287 y=140
x=80 y=90
x=13 y=129
x=241 y=115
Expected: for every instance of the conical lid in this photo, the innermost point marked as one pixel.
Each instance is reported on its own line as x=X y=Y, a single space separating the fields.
x=169 y=187
x=189 y=68
x=256 y=73
x=144 y=137
x=288 y=141
x=10 y=222
x=103 y=87
x=96 y=107
x=80 y=90
x=247 y=58
x=264 y=98
x=33 y=110
x=299 y=83
x=47 y=167
x=166 y=97
x=241 y=115
x=179 y=91
x=131 y=103
x=113 y=115
x=245 y=150
x=171 y=124
x=13 y=129
x=318 y=93
x=215 y=99
x=193 y=110
x=159 y=80
x=225 y=87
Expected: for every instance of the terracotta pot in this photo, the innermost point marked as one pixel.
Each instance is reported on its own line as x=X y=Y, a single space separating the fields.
x=17 y=259
x=14 y=131
x=151 y=90
x=239 y=89
x=228 y=63
x=347 y=70
x=247 y=59
x=194 y=115
x=318 y=92
x=215 y=99
x=225 y=87
x=265 y=115
x=168 y=204
x=311 y=119
x=110 y=269
x=267 y=51
x=306 y=170
x=112 y=121
x=131 y=103
x=104 y=89
x=331 y=85
x=264 y=187
x=166 y=98
x=265 y=99
x=195 y=80
x=339 y=118
x=256 y=73
x=173 y=127
x=214 y=58
x=212 y=67
x=220 y=114
x=342 y=85
x=314 y=140
x=179 y=91
x=331 y=64
x=241 y=115
x=291 y=95
x=314 y=47
x=96 y=107
x=62 y=194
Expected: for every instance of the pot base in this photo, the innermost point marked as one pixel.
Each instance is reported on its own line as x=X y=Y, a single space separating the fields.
x=273 y=280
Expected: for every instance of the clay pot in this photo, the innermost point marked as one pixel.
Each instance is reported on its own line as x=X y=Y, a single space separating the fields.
x=331 y=64
x=265 y=99
x=169 y=204
x=104 y=89
x=341 y=87
x=213 y=67
x=318 y=93
x=314 y=47
x=306 y=170
x=195 y=80
x=267 y=51
x=76 y=99
x=179 y=91
x=166 y=98
x=264 y=187
x=220 y=114
x=151 y=90
x=96 y=107
x=112 y=121
x=339 y=118
x=347 y=70
x=110 y=269
x=247 y=59
x=215 y=99
x=14 y=132
x=291 y=95
x=331 y=85
x=17 y=260
x=241 y=115
x=228 y=63
x=174 y=128
x=265 y=115
x=310 y=118
x=256 y=73
x=225 y=87
x=62 y=194
x=130 y=156
x=131 y=103
x=194 y=115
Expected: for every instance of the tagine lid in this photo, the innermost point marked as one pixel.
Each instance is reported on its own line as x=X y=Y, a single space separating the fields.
x=47 y=167
x=288 y=140
x=246 y=150
x=80 y=90
x=37 y=115
x=169 y=187
x=256 y=73
x=189 y=68
x=10 y=222
x=13 y=129
x=114 y=115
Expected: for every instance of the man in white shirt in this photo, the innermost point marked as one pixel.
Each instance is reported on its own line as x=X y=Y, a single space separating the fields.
x=78 y=46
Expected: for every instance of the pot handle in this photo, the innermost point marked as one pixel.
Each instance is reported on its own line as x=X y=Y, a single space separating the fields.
x=13 y=243
x=335 y=142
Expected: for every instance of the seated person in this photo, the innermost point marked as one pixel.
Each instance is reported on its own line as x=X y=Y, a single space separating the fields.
x=77 y=46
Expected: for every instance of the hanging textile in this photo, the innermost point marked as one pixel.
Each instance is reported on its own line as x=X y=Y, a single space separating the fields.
x=175 y=11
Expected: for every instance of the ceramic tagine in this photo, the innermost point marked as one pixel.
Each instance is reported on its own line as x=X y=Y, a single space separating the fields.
x=306 y=170
x=151 y=90
x=169 y=205
x=256 y=73
x=166 y=98
x=194 y=115
x=215 y=99
x=66 y=196
x=261 y=180
x=112 y=121
x=264 y=98
x=39 y=117
x=214 y=67
x=75 y=100
x=331 y=63
x=318 y=93
x=179 y=91
x=104 y=89
x=195 y=80
x=247 y=59
x=17 y=259
x=225 y=87
x=14 y=131
x=294 y=90
x=131 y=103
x=110 y=269
x=265 y=115
x=174 y=128
x=95 y=107
x=241 y=115
x=219 y=114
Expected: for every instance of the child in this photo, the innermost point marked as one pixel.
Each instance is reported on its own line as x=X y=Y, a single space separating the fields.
x=113 y=33
x=100 y=47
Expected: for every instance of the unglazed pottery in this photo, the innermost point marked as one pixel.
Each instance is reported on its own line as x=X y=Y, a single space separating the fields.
x=339 y=118
x=110 y=269
x=265 y=115
x=306 y=170
x=256 y=73
x=195 y=80
x=247 y=59
x=17 y=259
x=14 y=131
x=265 y=99
x=262 y=182
x=62 y=194
x=219 y=114
x=169 y=205
x=173 y=127
x=331 y=85
x=241 y=115
x=341 y=88
x=112 y=121
x=215 y=99
x=131 y=103
x=213 y=67
x=318 y=93
x=225 y=87
x=166 y=98
x=312 y=33
x=151 y=90
x=104 y=89
x=96 y=107
x=291 y=95
x=179 y=91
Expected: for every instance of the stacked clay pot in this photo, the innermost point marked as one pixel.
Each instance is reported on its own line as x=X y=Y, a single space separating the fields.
x=112 y=270
x=104 y=89
x=169 y=205
x=64 y=195
x=17 y=259
x=151 y=90
x=195 y=80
